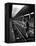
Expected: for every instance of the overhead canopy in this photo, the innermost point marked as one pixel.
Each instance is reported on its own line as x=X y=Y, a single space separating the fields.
x=18 y=10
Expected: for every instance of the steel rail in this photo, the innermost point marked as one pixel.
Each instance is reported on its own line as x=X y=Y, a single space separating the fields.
x=20 y=33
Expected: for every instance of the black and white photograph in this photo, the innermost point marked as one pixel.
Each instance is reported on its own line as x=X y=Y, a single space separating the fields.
x=19 y=22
